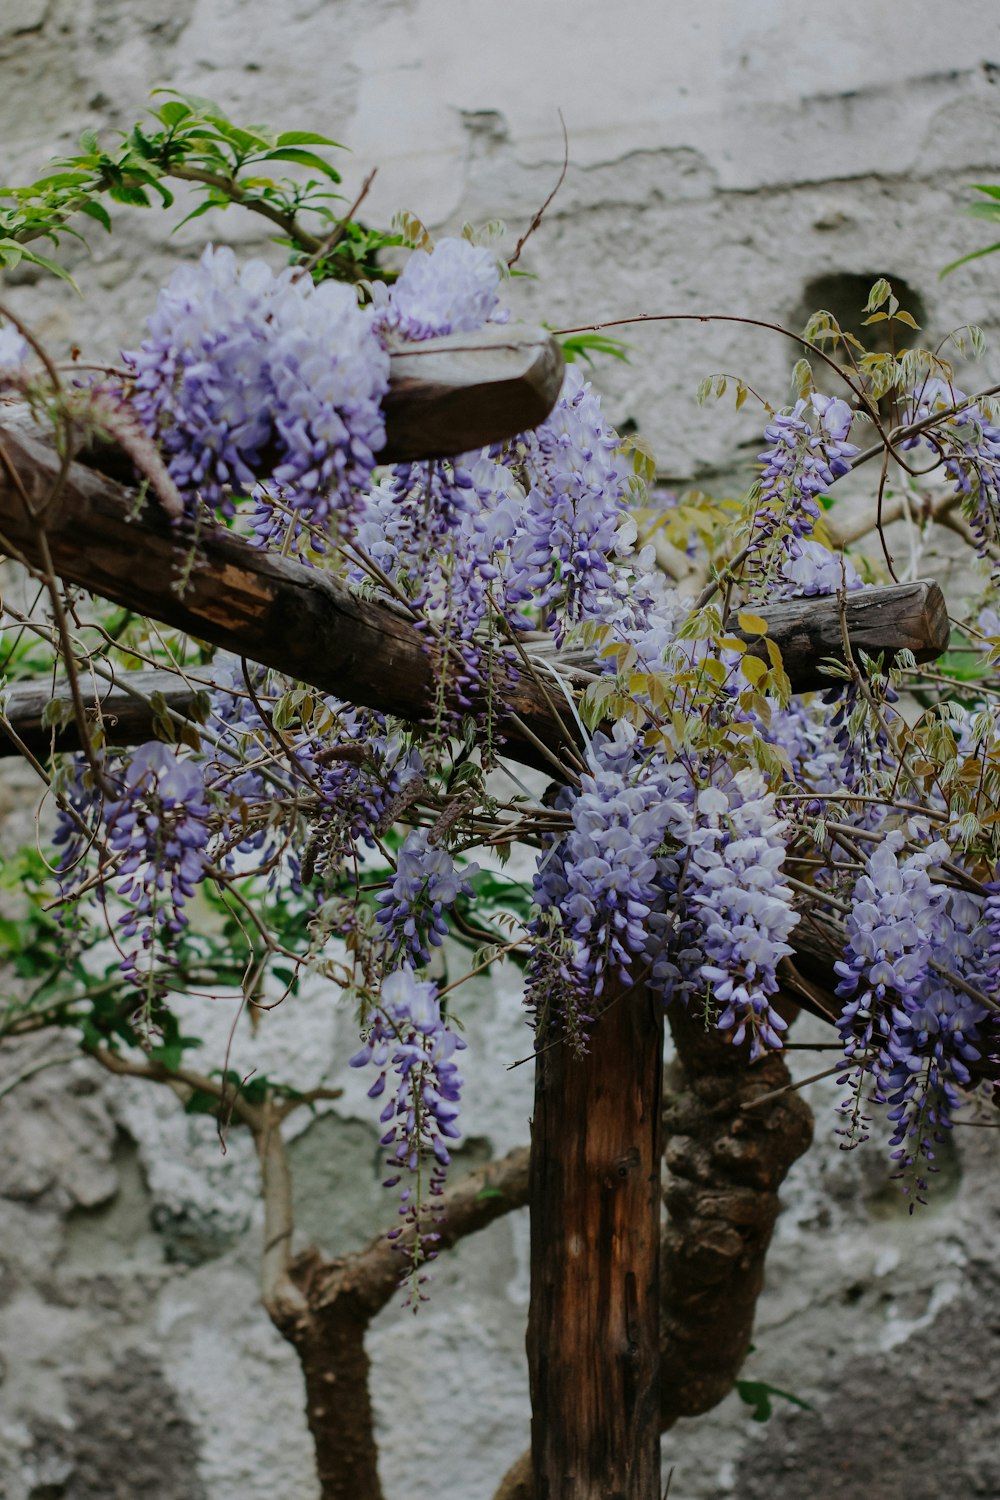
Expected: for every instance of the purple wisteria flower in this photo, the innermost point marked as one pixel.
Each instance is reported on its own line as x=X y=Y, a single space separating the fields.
x=247 y=376
x=814 y=569
x=157 y=825
x=452 y=289
x=575 y=504
x=427 y=883
x=687 y=881
x=408 y=1039
x=969 y=442
x=601 y=879
x=730 y=912
x=809 y=450
x=907 y=1026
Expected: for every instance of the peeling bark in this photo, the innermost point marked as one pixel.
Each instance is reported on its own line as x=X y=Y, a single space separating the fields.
x=725 y=1165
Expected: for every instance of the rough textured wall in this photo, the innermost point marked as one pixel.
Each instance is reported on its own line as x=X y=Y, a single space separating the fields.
x=724 y=157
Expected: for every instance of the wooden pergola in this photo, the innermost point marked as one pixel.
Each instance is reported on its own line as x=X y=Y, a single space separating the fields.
x=597 y=1375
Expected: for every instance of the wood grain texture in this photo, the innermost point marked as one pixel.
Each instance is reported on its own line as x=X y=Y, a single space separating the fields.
x=311 y=627
x=899 y=617
x=593 y=1326
x=466 y=390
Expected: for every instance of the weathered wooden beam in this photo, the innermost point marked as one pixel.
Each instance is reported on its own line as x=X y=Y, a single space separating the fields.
x=593 y=1324
x=310 y=626
x=884 y=621
x=464 y=391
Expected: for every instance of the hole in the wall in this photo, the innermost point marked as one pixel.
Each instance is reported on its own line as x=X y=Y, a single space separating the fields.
x=845 y=293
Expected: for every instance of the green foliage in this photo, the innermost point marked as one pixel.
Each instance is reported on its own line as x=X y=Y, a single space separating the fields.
x=585 y=346
x=190 y=139
x=758 y=1395
x=990 y=211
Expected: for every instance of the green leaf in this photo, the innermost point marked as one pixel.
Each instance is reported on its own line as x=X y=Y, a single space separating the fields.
x=173 y=113
x=964 y=259
x=213 y=201
x=758 y=1393
x=97 y=211
x=121 y=193
x=583 y=345
x=306 y=138
x=43 y=261
x=89 y=144
x=304 y=159
x=880 y=292
x=196 y=103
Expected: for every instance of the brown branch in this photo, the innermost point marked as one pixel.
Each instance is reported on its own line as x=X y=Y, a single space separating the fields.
x=725 y=1168
x=278 y=1292
x=371 y=1277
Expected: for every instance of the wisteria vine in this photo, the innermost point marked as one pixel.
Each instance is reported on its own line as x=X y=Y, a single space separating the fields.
x=706 y=813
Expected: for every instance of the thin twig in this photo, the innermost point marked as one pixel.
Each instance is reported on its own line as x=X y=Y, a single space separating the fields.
x=541 y=212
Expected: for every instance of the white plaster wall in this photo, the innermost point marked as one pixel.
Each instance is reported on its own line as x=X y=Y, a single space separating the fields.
x=722 y=155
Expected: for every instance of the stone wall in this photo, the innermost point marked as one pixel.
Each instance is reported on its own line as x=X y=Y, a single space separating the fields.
x=723 y=157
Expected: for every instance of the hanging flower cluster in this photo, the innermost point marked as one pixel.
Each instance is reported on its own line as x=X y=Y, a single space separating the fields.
x=157 y=826
x=426 y=884
x=246 y=375
x=451 y=289
x=685 y=881
x=968 y=441
x=809 y=450
x=915 y=959
x=408 y=1037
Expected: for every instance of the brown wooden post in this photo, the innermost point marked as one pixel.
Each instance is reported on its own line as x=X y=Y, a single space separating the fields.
x=593 y=1326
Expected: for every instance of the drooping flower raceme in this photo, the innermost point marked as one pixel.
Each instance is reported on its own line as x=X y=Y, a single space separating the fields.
x=601 y=879
x=906 y=1024
x=809 y=449
x=574 y=506
x=408 y=1037
x=687 y=881
x=731 y=912
x=969 y=442
x=427 y=883
x=158 y=826
x=246 y=376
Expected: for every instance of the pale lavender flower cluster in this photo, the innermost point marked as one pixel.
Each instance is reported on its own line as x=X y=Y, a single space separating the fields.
x=158 y=828
x=247 y=376
x=809 y=449
x=686 y=880
x=814 y=569
x=970 y=444
x=907 y=1027
x=426 y=884
x=575 y=504
x=407 y=1035
x=732 y=912
x=452 y=289
x=602 y=877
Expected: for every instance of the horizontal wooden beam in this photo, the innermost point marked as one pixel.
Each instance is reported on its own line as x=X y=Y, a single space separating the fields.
x=309 y=625
x=462 y=392
x=880 y=622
